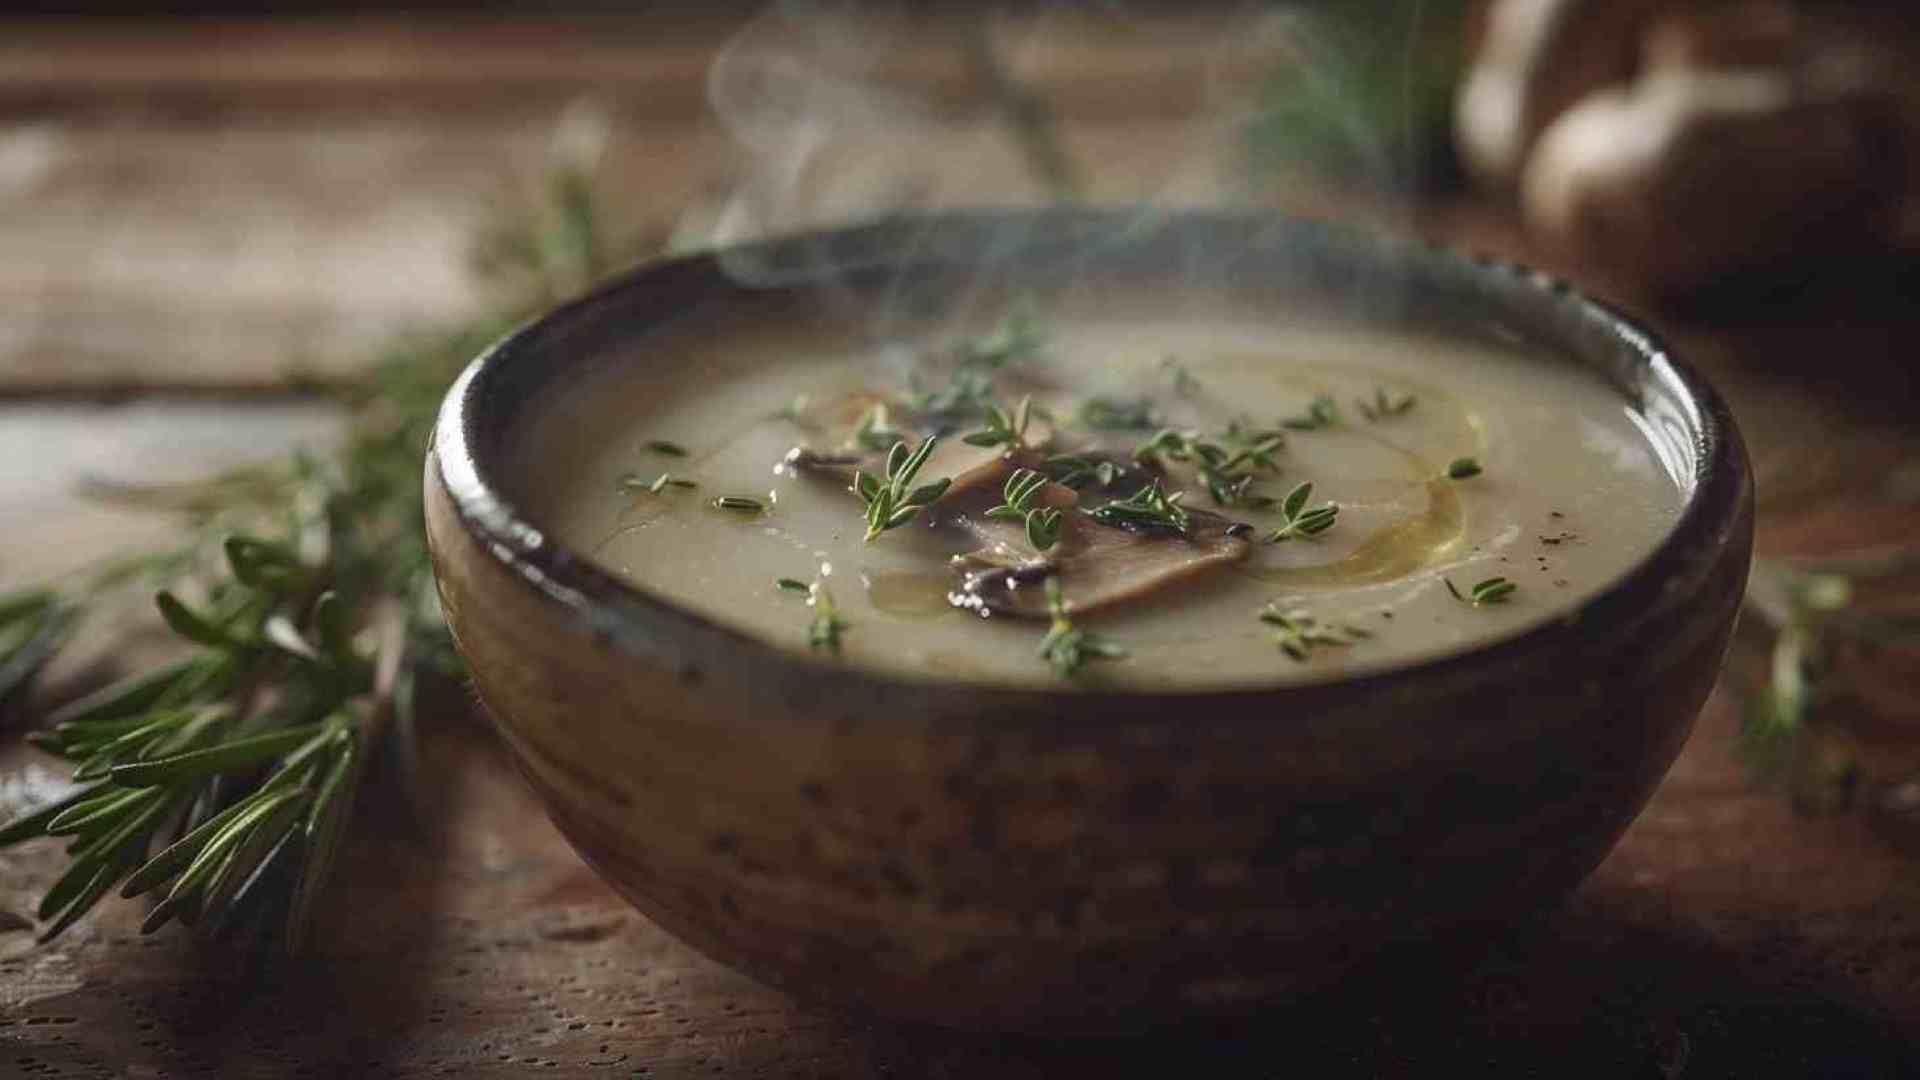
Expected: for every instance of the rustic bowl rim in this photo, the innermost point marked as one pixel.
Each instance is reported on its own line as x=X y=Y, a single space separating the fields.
x=609 y=607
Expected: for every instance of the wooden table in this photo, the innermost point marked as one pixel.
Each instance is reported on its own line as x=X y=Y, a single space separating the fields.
x=185 y=209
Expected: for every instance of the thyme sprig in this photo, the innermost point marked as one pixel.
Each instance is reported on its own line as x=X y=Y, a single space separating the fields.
x=969 y=390
x=824 y=631
x=1494 y=590
x=740 y=504
x=1298 y=632
x=1004 y=429
x=1019 y=336
x=1068 y=470
x=1385 y=405
x=668 y=449
x=1227 y=466
x=1042 y=523
x=874 y=431
x=893 y=502
x=1067 y=647
x=1112 y=414
x=1148 y=508
x=1462 y=468
x=1321 y=413
x=1298 y=520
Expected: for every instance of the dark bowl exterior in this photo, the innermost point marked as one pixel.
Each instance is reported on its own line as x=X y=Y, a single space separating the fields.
x=987 y=857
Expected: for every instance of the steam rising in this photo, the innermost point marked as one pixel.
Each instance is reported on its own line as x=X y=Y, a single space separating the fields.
x=844 y=115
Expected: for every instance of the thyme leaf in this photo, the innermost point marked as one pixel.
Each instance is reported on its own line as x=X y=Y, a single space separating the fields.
x=1003 y=429
x=1067 y=647
x=1321 y=413
x=1298 y=521
x=1385 y=405
x=1148 y=508
x=1494 y=590
x=1298 y=633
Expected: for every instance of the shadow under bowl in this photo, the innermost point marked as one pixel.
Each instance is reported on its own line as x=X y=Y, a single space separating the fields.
x=1045 y=859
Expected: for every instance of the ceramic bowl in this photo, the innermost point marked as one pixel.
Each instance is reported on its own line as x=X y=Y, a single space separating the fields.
x=1004 y=858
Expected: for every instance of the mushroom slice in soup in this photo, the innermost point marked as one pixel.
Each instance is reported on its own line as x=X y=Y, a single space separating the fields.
x=1098 y=565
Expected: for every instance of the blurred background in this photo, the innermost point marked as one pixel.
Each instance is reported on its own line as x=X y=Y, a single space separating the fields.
x=215 y=220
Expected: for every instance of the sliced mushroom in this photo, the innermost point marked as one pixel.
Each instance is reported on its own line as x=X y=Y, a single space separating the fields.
x=1098 y=565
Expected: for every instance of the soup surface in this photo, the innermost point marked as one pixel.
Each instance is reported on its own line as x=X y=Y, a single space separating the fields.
x=1477 y=486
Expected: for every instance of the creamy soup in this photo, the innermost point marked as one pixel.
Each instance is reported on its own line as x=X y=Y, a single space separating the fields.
x=1465 y=486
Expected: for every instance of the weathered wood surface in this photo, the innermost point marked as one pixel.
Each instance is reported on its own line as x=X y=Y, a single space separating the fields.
x=1726 y=936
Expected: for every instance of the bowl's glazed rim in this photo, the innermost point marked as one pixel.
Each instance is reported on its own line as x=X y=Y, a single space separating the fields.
x=606 y=605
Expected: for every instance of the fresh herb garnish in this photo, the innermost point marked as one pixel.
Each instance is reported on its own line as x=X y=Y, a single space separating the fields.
x=1299 y=633
x=1170 y=444
x=742 y=503
x=827 y=625
x=658 y=484
x=1184 y=384
x=1042 y=522
x=874 y=432
x=824 y=632
x=967 y=393
x=1493 y=590
x=1109 y=414
x=1321 y=413
x=1077 y=472
x=226 y=779
x=670 y=449
x=1147 y=508
x=890 y=504
x=1002 y=429
x=1461 y=468
x=1298 y=520
x=1067 y=647
x=1226 y=470
x=1384 y=405
x=1018 y=336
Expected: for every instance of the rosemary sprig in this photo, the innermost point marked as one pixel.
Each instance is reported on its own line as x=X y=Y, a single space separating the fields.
x=742 y=504
x=1003 y=429
x=1298 y=633
x=224 y=780
x=1042 y=522
x=1494 y=590
x=1148 y=508
x=892 y=502
x=1385 y=405
x=1321 y=413
x=1297 y=520
x=792 y=585
x=1067 y=647
x=1462 y=468
x=668 y=449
